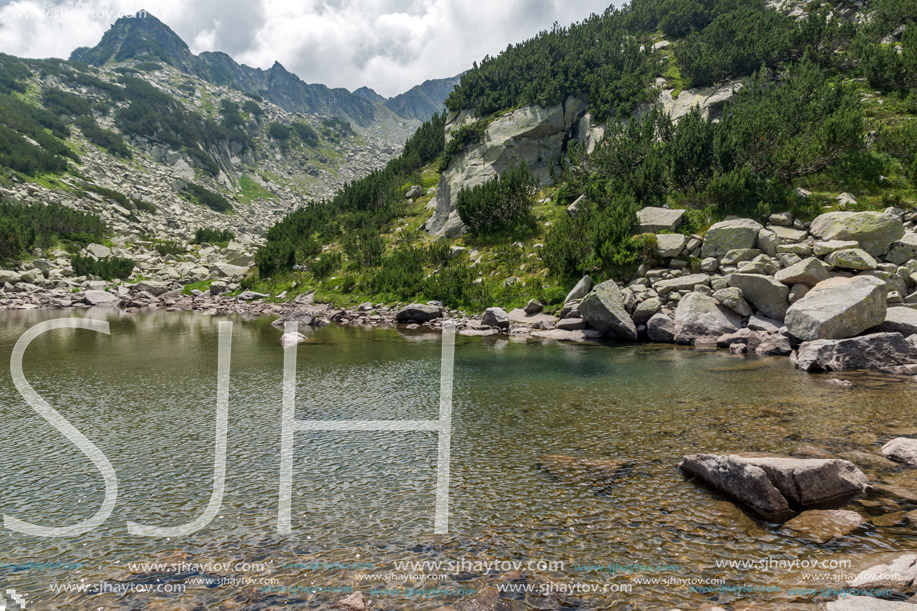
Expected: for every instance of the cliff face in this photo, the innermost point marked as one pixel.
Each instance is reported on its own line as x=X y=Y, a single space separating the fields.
x=537 y=136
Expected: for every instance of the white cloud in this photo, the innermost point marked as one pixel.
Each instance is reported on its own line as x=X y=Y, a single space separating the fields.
x=388 y=45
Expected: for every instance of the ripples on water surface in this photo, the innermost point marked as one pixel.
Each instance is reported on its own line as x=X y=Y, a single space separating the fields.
x=146 y=396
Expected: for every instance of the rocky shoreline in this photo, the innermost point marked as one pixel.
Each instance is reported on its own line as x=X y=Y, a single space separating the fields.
x=836 y=294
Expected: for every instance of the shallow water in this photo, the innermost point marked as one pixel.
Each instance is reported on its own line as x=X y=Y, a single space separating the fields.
x=145 y=395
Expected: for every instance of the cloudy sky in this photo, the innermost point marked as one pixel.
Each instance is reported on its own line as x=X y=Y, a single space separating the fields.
x=389 y=45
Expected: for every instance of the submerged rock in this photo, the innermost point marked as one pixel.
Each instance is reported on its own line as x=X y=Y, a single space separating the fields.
x=822 y=526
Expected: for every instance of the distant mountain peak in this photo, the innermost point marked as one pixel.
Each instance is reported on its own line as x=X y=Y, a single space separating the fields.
x=138 y=36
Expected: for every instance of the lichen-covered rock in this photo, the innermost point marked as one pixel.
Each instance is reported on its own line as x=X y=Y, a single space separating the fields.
x=852 y=258
x=731 y=297
x=809 y=272
x=838 y=308
x=700 y=316
x=875 y=232
x=605 y=312
x=645 y=310
x=730 y=235
x=670 y=245
x=768 y=296
x=654 y=220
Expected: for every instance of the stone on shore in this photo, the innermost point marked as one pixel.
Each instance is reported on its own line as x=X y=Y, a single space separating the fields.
x=774 y=345
x=901 y=450
x=741 y=480
x=768 y=296
x=579 y=291
x=899 y=320
x=730 y=235
x=822 y=526
x=876 y=351
x=875 y=232
x=305 y=319
x=96 y=298
x=700 y=316
x=535 y=321
x=495 y=317
x=809 y=272
x=838 y=308
x=654 y=220
x=533 y=307
x=661 y=328
x=604 y=310
x=418 y=313
x=648 y=308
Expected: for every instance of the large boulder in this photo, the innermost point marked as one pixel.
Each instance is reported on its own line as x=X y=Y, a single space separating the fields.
x=875 y=232
x=496 y=317
x=152 y=287
x=8 y=276
x=661 y=328
x=768 y=296
x=902 y=450
x=899 y=320
x=876 y=351
x=741 y=480
x=809 y=272
x=903 y=250
x=730 y=235
x=604 y=310
x=648 y=308
x=731 y=297
x=838 y=308
x=700 y=316
x=813 y=482
x=654 y=220
x=419 y=313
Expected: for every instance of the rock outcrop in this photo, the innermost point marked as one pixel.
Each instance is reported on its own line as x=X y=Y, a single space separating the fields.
x=534 y=135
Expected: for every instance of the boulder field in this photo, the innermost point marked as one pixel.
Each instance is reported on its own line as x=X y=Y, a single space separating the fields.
x=836 y=294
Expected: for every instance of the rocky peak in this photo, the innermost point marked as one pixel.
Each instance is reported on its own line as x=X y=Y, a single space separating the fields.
x=138 y=36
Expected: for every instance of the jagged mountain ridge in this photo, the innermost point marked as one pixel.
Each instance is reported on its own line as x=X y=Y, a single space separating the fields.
x=143 y=36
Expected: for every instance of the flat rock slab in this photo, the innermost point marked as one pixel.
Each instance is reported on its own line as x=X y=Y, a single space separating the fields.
x=900 y=320
x=542 y=321
x=898 y=575
x=654 y=220
x=902 y=450
x=822 y=526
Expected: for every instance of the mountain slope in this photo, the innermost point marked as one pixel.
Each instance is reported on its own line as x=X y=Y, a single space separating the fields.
x=424 y=100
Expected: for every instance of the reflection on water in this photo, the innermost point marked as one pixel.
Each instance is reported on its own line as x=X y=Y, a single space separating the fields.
x=145 y=395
